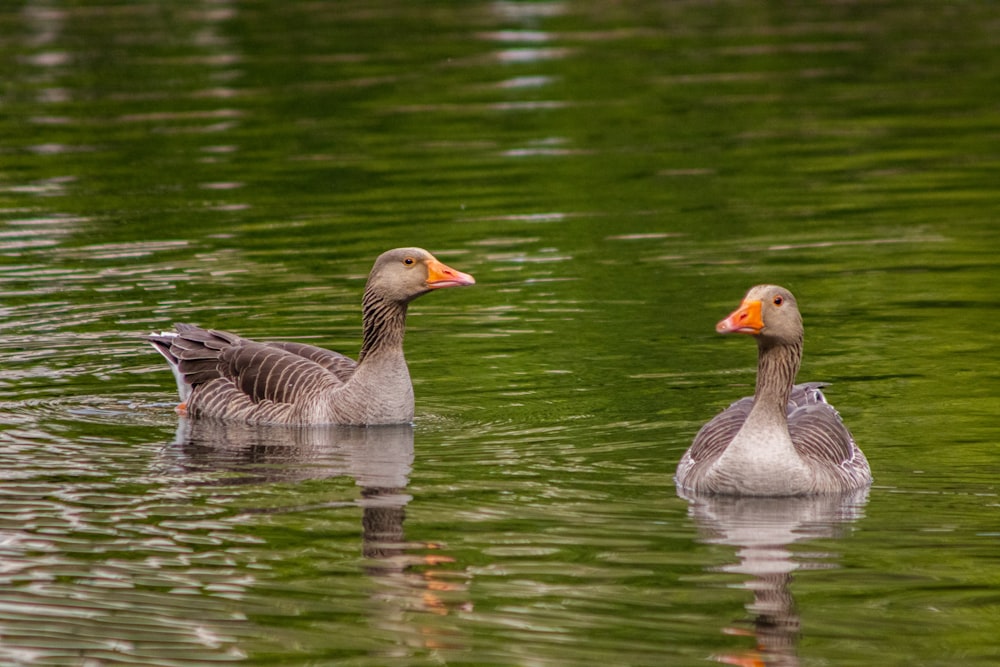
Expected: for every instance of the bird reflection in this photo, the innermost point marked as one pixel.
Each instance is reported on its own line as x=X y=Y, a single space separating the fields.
x=762 y=529
x=380 y=460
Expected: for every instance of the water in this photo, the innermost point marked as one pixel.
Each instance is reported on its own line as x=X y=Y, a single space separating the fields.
x=615 y=175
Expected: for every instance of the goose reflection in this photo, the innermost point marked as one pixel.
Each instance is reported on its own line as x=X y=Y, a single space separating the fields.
x=762 y=530
x=380 y=460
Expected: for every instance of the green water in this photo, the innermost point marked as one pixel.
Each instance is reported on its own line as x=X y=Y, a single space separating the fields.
x=615 y=176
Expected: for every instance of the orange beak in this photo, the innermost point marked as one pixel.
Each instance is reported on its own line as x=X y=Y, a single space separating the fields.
x=745 y=319
x=441 y=275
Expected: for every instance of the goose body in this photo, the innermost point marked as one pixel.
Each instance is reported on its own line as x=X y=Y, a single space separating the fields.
x=221 y=375
x=785 y=440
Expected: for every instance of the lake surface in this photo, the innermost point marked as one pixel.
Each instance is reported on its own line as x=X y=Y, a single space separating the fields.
x=615 y=176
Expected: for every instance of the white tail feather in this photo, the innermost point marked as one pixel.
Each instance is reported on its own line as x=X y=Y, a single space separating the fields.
x=183 y=388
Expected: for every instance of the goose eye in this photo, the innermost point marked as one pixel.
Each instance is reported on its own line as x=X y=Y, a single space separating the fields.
x=409 y=261
x=778 y=301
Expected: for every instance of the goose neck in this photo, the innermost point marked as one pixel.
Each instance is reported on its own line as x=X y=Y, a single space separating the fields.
x=777 y=366
x=384 y=323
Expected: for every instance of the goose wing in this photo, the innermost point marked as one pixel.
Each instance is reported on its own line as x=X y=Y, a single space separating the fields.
x=818 y=432
x=335 y=362
x=714 y=437
x=259 y=371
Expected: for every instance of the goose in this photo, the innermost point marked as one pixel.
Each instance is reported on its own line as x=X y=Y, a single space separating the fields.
x=221 y=375
x=785 y=440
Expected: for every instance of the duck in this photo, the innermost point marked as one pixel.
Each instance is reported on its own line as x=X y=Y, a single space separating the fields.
x=223 y=376
x=785 y=440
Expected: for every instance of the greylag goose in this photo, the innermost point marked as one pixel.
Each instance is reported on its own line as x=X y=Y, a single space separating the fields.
x=221 y=375
x=786 y=440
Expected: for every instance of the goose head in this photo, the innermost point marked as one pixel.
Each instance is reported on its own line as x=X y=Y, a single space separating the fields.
x=768 y=312
x=403 y=274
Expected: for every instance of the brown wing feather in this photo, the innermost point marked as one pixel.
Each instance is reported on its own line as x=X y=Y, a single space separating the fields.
x=335 y=362
x=820 y=435
x=260 y=371
x=264 y=372
x=715 y=436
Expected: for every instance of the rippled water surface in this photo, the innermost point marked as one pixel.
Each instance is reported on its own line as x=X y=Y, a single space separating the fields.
x=615 y=175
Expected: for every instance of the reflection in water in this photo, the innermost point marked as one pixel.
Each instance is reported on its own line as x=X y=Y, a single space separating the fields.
x=379 y=459
x=762 y=529
x=375 y=457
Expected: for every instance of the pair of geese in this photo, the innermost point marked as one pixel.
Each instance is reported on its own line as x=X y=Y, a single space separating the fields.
x=786 y=440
